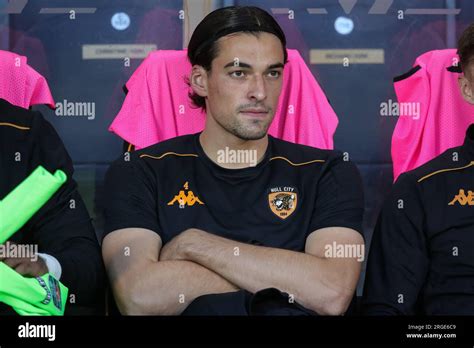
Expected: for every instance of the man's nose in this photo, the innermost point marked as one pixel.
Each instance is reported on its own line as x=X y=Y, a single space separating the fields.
x=257 y=88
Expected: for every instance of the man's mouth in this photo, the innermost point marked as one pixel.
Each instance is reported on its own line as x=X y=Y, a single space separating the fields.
x=255 y=112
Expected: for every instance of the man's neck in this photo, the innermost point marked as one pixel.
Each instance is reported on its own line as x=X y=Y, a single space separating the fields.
x=229 y=151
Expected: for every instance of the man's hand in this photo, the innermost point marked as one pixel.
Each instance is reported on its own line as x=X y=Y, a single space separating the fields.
x=26 y=267
x=136 y=277
x=176 y=248
x=324 y=285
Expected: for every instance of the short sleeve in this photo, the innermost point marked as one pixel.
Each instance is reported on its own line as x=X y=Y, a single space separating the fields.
x=130 y=197
x=339 y=198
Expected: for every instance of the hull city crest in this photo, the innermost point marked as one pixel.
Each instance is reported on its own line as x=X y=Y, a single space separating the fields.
x=283 y=201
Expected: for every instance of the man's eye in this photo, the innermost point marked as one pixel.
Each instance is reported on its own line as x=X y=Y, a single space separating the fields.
x=238 y=73
x=275 y=73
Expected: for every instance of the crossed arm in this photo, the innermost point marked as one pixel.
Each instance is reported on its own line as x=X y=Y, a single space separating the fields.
x=150 y=279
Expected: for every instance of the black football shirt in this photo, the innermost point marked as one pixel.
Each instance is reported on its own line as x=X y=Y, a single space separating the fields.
x=293 y=191
x=421 y=258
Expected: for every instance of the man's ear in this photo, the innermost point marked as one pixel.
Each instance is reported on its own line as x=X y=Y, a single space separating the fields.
x=199 y=80
x=467 y=89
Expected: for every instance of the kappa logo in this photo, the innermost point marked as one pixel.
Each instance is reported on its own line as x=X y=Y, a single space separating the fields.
x=282 y=202
x=185 y=198
x=462 y=199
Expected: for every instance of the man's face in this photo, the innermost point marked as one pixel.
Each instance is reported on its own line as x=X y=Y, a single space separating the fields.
x=244 y=84
x=466 y=83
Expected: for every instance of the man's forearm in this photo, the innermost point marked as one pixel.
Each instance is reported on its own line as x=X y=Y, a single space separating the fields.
x=168 y=287
x=312 y=281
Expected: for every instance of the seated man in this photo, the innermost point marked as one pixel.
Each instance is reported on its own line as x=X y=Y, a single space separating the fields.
x=231 y=221
x=61 y=230
x=421 y=257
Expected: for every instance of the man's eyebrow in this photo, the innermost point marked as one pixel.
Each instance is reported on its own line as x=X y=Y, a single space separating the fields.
x=276 y=66
x=245 y=65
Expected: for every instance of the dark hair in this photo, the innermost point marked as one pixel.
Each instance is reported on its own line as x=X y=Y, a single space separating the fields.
x=202 y=48
x=466 y=47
